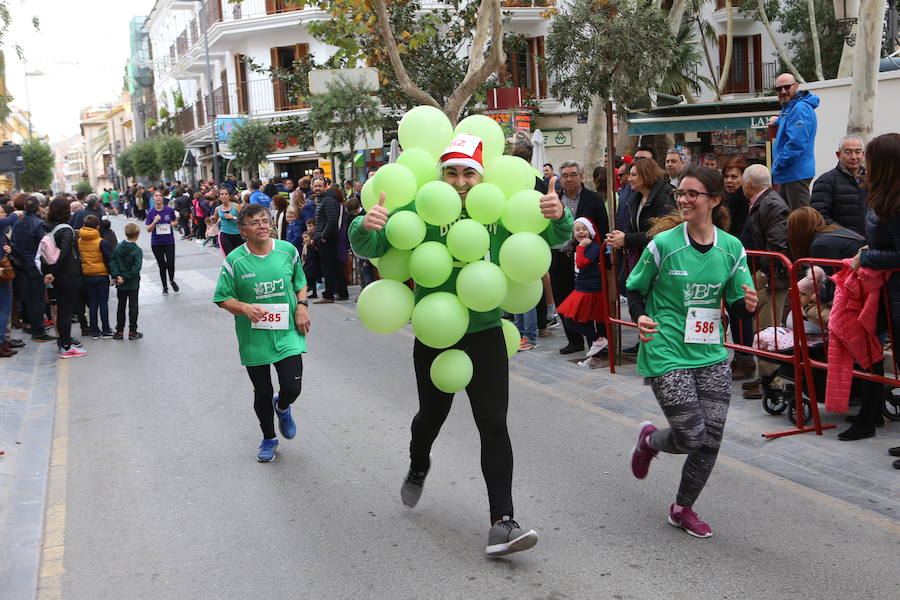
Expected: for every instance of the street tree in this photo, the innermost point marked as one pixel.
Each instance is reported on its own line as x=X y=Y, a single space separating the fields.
x=125 y=160
x=417 y=53
x=600 y=54
x=344 y=115
x=250 y=142
x=39 y=161
x=84 y=187
x=5 y=21
x=145 y=159
x=861 y=117
x=169 y=153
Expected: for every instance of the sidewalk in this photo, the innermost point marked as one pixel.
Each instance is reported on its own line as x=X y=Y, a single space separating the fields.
x=27 y=403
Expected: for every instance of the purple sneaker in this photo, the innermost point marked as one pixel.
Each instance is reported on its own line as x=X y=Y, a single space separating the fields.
x=642 y=453
x=688 y=520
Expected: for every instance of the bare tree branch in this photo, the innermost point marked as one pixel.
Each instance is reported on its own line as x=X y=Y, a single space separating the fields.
x=390 y=44
x=480 y=68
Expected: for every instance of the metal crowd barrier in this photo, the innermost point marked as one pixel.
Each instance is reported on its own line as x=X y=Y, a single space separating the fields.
x=799 y=359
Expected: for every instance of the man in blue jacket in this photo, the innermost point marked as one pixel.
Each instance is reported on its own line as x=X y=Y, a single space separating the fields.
x=794 y=163
x=27 y=234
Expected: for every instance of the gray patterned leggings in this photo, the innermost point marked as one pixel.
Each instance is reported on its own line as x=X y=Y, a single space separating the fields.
x=695 y=402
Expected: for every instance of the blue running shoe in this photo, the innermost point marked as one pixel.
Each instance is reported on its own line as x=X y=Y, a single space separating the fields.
x=285 y=421
x=267 y=451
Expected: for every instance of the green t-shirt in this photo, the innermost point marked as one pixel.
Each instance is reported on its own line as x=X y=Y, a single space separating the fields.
x=373 y=244
x=114 y=195
x=675 y=277
x=271 y=279
x=105 y=197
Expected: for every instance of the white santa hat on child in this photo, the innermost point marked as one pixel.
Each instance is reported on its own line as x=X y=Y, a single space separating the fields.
x=464 y=151
x=588 y=224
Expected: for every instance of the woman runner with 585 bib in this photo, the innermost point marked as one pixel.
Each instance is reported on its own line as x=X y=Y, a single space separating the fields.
x=675 y=293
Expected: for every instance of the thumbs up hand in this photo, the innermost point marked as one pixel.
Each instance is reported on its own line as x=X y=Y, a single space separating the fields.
x=551 y=206
x=377 y=217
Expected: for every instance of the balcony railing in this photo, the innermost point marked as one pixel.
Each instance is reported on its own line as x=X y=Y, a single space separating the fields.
x=252 y=98
x=749 y=78
x=217 y=12
x=527 y=3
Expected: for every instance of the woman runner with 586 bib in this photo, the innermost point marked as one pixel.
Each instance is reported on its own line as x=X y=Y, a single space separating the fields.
x=675 y=293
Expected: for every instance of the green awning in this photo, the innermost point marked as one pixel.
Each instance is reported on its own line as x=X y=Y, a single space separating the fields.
x=654 y=125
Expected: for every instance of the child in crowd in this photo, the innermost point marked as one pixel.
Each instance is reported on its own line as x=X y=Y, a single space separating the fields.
x=309 y=255
x=107 y=233
x=95 y=254
x=125 y=266
x=294 y=228
x=583 y=308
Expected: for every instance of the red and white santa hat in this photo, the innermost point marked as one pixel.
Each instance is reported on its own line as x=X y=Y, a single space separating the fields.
x=464 y=151
x=588 y=224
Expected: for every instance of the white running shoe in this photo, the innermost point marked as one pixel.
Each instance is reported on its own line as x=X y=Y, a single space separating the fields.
x=599 y=345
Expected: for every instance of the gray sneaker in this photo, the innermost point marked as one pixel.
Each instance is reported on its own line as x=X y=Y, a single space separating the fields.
x=507 y=537
x=412 y=487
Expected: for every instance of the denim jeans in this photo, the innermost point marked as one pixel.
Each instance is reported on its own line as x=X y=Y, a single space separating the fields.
x=5 y=307
x=527 y=325
x=97 y=288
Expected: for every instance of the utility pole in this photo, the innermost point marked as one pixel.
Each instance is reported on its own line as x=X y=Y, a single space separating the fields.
x=210 y=104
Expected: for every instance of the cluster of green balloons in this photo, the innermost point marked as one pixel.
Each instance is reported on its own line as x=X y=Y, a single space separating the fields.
x=505 y=196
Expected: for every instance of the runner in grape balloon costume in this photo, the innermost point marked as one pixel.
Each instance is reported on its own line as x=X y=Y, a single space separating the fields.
x=477 y=358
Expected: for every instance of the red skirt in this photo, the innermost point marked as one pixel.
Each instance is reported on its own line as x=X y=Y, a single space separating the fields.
x=583 y=307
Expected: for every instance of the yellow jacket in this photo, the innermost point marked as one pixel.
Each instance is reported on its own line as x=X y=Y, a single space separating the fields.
x=91 y=255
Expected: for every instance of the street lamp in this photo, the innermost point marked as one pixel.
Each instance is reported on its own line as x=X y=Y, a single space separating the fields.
x=846 y=13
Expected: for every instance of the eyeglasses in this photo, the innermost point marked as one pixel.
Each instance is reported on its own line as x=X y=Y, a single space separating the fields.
x=691 y=194
x=258 y=223
x=778 y=88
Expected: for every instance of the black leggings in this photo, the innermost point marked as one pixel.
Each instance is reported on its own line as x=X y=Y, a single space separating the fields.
x=165 y=259
x=489 y=397
x=290 y=374
x=229 y=241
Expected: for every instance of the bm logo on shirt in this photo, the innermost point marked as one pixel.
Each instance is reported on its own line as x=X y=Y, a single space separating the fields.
x=268 y=289
x=701 y=293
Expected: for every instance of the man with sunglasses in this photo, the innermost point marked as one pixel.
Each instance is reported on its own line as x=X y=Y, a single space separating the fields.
x=262 y=284
x=793 y=154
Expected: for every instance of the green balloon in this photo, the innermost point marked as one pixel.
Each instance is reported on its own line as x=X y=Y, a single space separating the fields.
x=521 y=297
x=509 y=173
x=385 y=306
x=490 y=132
x=481 y=286
x=523 y=213
x=468 y=240
x=511 y=336
x=427 y=128
x=440 y=320
x=394 y=264
x=367 y=195
x=524 y=257
x=405 y=230
x=438 y=203
x=398 y=184
x=421 y=163
x=451 y=371
x=485 y=203
x=430 y=264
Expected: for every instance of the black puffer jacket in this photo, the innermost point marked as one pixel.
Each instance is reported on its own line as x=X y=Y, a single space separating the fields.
x=660 y=203
x=838 y=196
x=884 y=253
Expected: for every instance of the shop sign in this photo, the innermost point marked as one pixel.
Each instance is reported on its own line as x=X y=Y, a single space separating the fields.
x=555 y=138
x=511 y=121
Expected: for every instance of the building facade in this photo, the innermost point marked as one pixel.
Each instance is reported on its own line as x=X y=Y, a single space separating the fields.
x=107 y=130
x=206 y=96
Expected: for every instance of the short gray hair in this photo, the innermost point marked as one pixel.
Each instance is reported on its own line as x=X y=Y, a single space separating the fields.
x=675 y=151
x=758 y=176
x=850 y=137
x=571 y=163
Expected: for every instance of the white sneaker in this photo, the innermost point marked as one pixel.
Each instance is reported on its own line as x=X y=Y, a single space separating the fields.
x=591 y=363
x=598 y=346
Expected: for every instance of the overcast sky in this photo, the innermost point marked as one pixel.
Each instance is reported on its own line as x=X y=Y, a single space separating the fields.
x=81 y=50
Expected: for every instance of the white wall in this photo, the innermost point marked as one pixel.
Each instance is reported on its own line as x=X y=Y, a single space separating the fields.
x=834 y=107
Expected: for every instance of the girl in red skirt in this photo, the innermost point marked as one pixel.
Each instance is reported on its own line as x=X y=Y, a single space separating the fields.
x=584 y=307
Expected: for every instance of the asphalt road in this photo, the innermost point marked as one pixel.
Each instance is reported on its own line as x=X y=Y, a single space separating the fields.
x=164 y=498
